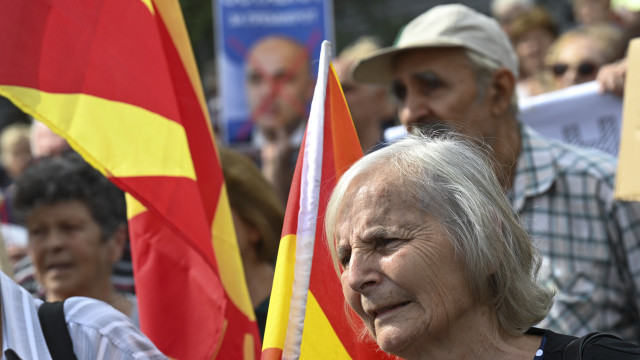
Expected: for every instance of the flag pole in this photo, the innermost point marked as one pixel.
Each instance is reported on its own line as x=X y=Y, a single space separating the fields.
x=308 y=215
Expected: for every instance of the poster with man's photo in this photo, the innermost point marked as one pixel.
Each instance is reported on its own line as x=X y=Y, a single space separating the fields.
x=267 y=53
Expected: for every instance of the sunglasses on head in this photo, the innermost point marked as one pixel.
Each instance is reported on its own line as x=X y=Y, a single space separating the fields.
x=583 y=69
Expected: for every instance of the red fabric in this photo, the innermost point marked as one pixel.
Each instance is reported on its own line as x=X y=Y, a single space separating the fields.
x=107 y=48
x=121 y=51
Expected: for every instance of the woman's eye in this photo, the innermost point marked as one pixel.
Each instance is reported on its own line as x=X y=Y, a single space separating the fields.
x=387 y=244
x=344 y=259
x=70 y=227
x=36 y=232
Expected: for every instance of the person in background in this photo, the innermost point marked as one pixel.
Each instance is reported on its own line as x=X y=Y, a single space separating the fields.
x=15 y=149
x=532 y=33
x=45 y=142
x=77 y=228
x=42 y=142
x=591 y=12
x=370 y=105
x=577 y=55
x=454 y=68
x=279 y=88
x=504 y=11
x=15 y=157
x=258 y=216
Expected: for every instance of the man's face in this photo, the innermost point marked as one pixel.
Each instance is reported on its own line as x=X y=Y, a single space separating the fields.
x=438 y=88
x=279 y=84
x=367 y=102
x=68 y=251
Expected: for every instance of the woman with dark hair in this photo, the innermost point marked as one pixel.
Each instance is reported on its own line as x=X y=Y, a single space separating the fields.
x=77 y=229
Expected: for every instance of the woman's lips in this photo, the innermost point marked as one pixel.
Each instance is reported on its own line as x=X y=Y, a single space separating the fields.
x=387 y=309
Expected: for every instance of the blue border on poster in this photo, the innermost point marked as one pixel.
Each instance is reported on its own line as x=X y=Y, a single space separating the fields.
x=239 y=24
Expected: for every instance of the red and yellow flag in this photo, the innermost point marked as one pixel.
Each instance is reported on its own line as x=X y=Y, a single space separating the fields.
x=307 y=315
x=117 y=79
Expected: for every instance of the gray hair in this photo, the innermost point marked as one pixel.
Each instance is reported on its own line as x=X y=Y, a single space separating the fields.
x=483 y=68
x=453 y=182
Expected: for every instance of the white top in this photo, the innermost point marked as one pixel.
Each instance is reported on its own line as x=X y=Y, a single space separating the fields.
x=97 y=330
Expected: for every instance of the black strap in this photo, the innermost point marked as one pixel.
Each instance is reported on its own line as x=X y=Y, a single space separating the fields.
x=574 y=350
x=56 y=333
x=9 y=354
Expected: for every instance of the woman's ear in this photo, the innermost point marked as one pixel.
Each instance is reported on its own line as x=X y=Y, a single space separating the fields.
x=116 y=243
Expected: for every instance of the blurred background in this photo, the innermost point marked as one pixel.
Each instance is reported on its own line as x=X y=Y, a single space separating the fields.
x=353 y=18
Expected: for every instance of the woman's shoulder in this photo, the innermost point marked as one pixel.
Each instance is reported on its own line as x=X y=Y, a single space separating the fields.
x=555 y=343
x=601 y=346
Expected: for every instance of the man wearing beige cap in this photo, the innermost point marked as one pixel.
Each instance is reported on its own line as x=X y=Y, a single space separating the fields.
x=454 y=68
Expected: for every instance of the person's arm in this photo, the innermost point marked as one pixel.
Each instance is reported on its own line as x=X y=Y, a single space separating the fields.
x=98 y=331
x=612 y=76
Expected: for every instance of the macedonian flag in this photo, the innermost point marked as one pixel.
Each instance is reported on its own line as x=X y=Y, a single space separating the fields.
x=307 y=315
x=117 y=79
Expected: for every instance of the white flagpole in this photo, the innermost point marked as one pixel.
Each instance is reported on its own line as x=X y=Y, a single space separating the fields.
x=308 y=213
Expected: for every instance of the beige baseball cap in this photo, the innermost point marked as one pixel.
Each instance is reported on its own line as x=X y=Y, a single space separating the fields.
x=452 y=25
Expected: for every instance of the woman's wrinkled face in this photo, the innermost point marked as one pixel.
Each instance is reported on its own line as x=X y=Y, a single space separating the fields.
x=401 y=275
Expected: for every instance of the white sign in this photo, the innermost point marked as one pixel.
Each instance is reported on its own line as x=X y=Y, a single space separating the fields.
x=579 y=115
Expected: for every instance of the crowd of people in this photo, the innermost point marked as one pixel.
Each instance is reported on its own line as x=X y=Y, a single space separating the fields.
x=474 y=237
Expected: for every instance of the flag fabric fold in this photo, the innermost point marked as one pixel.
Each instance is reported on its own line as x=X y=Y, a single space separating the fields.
x=307 y=317
x=118 y=80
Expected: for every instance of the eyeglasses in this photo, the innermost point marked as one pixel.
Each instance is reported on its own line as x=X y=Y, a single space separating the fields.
x=583 y=69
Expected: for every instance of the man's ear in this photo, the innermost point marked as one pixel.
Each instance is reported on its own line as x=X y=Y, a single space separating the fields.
x=503 y=85
x=116 y=243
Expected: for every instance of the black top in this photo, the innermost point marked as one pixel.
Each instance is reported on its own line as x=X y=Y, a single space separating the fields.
x=599 y=349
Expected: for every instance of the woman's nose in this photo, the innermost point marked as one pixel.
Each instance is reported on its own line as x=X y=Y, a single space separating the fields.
x=362 y=273
x=55 y=240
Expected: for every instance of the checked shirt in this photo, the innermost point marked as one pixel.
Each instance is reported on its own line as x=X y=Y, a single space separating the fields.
x=590 y=242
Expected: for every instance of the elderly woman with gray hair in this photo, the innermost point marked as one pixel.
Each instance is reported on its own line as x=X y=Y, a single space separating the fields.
x=434 y=262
